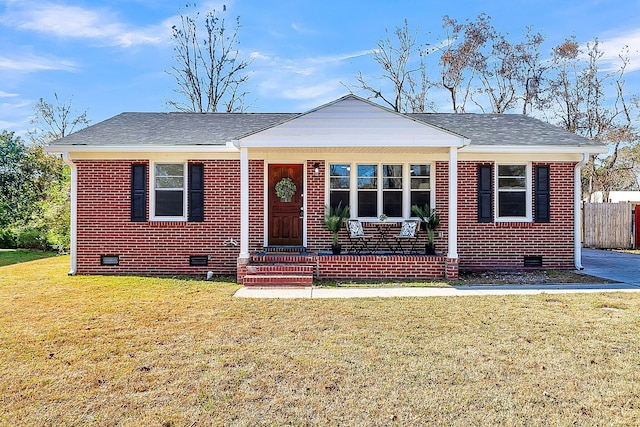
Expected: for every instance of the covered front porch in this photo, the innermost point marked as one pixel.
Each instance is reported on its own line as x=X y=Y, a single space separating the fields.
x=379 y=165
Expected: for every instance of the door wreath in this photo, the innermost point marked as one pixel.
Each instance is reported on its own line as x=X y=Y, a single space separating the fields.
x=285 y=189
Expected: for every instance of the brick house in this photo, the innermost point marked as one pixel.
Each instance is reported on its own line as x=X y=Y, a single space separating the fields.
x=188 y=193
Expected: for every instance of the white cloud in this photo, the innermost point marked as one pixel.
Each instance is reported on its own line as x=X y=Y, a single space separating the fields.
x=16 y=116
x=4 y=94
x=259 y=56
x=308 y=82
x=614 y=45
x=29 y=63
x=82 y=23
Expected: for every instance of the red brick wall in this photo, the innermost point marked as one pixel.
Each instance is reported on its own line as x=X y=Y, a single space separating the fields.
x=504 y=245
x=381 y=266
x=318 y=237
x=256 y=204
x=105 y=228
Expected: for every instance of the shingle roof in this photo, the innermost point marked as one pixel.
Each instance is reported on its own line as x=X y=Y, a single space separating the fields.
x=504 y=129
x=220 y=128
x=173 y=128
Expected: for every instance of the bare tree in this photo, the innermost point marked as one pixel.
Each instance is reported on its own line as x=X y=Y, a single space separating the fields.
x=462 y=57
x=581 y=102
x=400 y=69
x=55 y=120
x=209 y=72
x=533 y=72
x=510 y=74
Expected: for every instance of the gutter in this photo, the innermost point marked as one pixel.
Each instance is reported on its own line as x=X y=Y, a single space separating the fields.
x=577 y=199
x=73 y=244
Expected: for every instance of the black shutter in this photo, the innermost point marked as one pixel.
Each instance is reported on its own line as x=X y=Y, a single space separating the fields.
x=138 y=192
x=543 y=194
x=196 y=192
x=485 y=193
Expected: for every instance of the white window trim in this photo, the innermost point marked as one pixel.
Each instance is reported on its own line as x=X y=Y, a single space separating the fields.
x=152 y=195
x=406 y=187
x=528 y=194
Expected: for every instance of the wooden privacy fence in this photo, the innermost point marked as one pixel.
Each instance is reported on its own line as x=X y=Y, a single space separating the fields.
x=608 y=225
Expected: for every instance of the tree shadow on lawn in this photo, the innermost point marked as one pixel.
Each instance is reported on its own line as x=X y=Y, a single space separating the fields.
x=17 y=256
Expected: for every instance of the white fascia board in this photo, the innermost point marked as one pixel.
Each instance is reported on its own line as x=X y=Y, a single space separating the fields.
x=536 y=149
x=143 y=148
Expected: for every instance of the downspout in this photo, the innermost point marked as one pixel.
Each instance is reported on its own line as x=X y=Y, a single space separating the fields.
x=577 y=212
x=452 y=243
x=73 y=244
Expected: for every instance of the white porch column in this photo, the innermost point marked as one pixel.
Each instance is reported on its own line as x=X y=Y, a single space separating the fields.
x=244 y=203
x=453 y=203
x=73 y=244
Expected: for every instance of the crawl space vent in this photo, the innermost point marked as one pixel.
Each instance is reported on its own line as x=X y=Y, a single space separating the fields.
x=533 y=261
x=198 y=260
x=109 y=259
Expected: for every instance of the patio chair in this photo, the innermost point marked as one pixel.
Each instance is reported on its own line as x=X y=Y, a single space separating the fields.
x=407 y=234
x=357 y=239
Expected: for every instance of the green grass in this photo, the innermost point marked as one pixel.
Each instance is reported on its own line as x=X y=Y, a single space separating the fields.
x=15 y=256
x=129 y=351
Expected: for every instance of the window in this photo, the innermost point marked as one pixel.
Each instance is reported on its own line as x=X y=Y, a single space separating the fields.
x=392 y=190
x=368 y=190
x=169 y=190
x=339 y=185
x=513 y=191
x=388 y=189
x=420 y=185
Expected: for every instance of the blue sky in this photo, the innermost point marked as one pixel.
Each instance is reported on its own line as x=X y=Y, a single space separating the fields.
x=110 y=56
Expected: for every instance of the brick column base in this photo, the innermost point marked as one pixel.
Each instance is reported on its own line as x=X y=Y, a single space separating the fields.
x=242 y=269
x=451 y=268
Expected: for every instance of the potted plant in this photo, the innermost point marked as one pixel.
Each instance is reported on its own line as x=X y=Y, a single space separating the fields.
x=333 y=221
x=285 y=189
x=430 y=222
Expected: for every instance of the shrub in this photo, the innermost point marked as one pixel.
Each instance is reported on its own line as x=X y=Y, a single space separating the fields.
x=31 y=238
x=7 y=239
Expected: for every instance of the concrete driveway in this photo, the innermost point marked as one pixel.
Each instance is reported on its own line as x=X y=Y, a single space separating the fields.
x=618 y=266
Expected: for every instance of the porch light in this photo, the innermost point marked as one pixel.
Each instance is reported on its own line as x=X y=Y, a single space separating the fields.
x=316 y=168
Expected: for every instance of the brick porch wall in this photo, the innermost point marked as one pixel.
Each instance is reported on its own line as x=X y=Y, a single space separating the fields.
x=381 y=266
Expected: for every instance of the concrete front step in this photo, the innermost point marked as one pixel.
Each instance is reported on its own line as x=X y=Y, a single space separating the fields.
x=276 y=280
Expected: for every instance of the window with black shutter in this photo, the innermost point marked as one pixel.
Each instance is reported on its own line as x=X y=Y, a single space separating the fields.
x=485 y=193
x=542 y=194
x=196 y=192
x=138 y=192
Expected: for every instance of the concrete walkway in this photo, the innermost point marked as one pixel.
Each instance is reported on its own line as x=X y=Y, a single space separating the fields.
x=621 y=267
x=313 y=292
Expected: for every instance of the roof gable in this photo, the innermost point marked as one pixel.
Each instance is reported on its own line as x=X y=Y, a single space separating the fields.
x=352 y=122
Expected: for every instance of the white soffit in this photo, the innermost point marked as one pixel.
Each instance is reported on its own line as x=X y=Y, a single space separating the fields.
x=352 y=122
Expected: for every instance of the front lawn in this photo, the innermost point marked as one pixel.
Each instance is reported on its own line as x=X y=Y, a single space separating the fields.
x=131 y=351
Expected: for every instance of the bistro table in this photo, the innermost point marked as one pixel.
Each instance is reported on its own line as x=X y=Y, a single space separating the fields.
x=383 y=242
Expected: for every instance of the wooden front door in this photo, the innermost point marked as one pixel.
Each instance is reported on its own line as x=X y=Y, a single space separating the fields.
x=285 y=216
